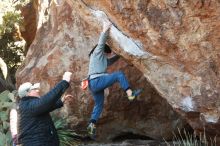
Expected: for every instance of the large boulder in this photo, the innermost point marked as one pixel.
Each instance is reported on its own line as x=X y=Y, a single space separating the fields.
x=170 y=48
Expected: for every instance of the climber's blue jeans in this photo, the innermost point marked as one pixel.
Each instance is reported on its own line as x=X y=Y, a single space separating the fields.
x=97 y=87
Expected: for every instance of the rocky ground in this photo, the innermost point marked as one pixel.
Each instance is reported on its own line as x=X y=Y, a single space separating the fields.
x=133 y=143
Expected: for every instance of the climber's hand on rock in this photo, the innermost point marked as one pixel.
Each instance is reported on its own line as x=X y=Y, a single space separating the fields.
x=106 y=26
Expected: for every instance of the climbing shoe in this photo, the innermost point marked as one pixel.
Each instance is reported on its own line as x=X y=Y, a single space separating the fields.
x=91 y=129
x=135 y=93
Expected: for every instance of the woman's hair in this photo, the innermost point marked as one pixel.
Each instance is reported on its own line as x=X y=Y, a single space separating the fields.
x=107 y=49
x=90 y=53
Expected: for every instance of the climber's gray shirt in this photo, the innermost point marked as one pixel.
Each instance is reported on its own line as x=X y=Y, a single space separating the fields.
x=98 y=60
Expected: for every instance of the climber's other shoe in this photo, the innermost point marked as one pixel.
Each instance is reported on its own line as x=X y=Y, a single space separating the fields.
x=134 y=94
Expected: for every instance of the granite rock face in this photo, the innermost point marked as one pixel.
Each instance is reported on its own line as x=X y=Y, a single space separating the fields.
x=170 y=48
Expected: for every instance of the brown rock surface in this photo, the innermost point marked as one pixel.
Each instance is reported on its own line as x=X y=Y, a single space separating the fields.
x=28 y=31
x=170 y=48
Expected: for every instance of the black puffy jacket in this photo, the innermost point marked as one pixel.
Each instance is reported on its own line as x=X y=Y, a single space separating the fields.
x=35 y=126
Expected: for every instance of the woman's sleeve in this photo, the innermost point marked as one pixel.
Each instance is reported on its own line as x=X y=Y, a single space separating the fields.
x=48 y=101
x=57 y=105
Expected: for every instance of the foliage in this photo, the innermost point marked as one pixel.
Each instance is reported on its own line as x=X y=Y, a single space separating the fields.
x=21 y=3
x=6 y=103
x=67 y=136
x=187 y=139
x=11 y=42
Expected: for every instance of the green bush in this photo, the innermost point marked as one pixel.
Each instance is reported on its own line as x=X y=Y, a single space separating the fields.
x=67 y=136
x=6 y=103
x=11 y=41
